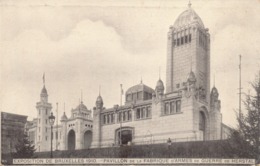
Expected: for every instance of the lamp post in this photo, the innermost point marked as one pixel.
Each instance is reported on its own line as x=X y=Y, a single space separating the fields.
x=120 y=120
x=51 y=120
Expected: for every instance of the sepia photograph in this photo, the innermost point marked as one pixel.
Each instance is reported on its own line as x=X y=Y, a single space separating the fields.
x=142 y=82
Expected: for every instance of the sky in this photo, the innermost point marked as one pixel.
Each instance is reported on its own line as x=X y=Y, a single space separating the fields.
x=81 y=45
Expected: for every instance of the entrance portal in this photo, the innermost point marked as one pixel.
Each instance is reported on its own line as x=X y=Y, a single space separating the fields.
x=87 y=139
x=126 y=137
x=71 y=140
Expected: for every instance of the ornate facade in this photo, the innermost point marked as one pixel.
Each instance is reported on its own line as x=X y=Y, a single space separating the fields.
x=74 y=132
x=183 y=110
x=187 y=111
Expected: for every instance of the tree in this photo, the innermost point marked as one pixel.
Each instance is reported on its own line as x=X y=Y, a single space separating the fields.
x=245 y=140
x=24 y=148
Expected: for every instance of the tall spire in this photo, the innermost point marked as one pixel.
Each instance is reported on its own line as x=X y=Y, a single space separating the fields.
x=81 y=97
x=189 y=5
x=160 y=72
x=214 y=81
x=43 y=79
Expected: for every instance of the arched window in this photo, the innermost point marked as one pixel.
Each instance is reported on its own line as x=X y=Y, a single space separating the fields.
x=202 y=125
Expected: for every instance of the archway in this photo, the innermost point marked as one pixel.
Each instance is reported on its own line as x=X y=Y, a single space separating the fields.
x=125 y=137
x=202 y=125
x=71 y=140
x=87 y=139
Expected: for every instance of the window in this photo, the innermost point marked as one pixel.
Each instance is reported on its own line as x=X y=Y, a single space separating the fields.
x=134 y=96
x=39 y=129
x=46 y=130
x=129 y=115
x=108 y=118
x=120 y=116
x=178 y=42
x=112 y=118
x=104 y=119
x=46 y=138
x=125 y=116
x=178 y=106
x=139 y=95
x=186 y=39
x=166 y=109
x=39 y=121
x=189 y=37
x=172 y=109
x=56 y=134
x=39 y=112
x=148 y=112
x=201 y=121
x=138 y=112
x=39 y=138
x=46 y=121
x=142 y=113
x=129 y=97
x=181 y=40
x=46 y=111
x=174 y=42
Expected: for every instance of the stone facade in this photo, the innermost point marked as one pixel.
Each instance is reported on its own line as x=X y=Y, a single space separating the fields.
x=73 y=133
x=12 y=128
x=187 y=111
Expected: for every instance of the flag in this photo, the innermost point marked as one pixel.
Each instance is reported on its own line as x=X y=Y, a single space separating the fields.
x=43 y=78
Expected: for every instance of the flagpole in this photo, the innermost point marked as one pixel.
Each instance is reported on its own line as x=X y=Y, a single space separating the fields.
x=121 y=117
x=57 y=128
x=121 y=94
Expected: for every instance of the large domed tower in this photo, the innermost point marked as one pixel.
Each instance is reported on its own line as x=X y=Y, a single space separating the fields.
x=188 y=49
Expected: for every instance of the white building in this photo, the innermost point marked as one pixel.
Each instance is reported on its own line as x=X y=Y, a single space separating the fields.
x=186 y=110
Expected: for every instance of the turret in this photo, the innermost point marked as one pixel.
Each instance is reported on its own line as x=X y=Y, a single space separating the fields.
x=44 y=95
x=159 y=89
x=97 y=123
x=99 y=102
x=64 y=117
x=215 y=115
x=191 y=81
x=215 y=103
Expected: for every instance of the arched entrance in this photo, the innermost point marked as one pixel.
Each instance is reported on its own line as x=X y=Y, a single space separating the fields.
x=202 y=125
x=126 y=136
x=87 y=139
x=71 y=140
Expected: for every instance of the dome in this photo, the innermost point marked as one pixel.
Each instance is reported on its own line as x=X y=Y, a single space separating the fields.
x=81 y=106
x=44 y=91
x=187 y=17
x=64 y=117
x=191 y=77
x=140 y=87
x=160 y=85
x=99 y=99
x=214 y=90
